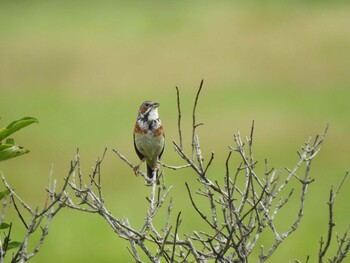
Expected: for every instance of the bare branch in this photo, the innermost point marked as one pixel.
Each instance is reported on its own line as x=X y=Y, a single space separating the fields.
x=179 y=115
x=240 y=205
x=324 y=246
x=123 y=158
x=194 y=123
x=197 y=209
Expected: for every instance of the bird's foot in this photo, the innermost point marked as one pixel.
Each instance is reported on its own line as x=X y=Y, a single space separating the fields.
x=157 y=173
x=136 y=168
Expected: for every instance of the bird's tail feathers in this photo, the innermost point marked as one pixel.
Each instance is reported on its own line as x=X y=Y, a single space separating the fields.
x=149 y=172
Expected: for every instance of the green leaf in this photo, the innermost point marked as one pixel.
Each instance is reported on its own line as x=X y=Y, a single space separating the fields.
x=4 y=146
x=10 y=151
x=4 y=193
x=4 y=226
x=16 y=125
x=10 y=141
x=14 y=244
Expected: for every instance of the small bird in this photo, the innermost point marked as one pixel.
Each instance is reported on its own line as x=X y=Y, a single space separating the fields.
x=149 y=137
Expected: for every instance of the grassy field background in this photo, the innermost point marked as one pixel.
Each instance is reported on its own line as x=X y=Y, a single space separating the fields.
x=83 y=68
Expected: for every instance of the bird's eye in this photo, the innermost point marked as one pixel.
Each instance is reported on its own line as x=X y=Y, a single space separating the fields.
x=147 y=104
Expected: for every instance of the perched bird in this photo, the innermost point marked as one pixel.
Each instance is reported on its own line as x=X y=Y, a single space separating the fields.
x=149 y=136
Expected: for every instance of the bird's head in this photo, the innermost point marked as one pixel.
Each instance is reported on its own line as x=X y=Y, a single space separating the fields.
x=149 y=110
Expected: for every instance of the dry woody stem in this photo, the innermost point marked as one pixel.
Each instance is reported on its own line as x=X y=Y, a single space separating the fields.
x=238 y=208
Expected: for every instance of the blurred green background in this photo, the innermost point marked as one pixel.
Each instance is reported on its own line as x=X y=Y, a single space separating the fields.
x=84 y=67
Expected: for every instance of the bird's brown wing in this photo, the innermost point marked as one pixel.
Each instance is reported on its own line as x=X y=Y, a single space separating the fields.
x=137 y=151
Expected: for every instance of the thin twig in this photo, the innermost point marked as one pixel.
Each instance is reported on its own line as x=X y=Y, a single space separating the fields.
x=179 y=115
x=194 y=124
x=331 y=224
x=178 y=221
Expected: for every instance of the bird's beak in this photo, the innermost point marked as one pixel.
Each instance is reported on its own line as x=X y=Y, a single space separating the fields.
x=155 y=105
